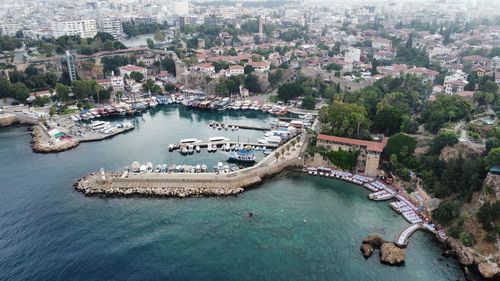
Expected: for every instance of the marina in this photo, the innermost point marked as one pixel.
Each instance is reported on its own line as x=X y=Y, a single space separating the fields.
x=381 y=191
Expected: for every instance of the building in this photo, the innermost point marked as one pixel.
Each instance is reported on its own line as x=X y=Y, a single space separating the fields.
x=260 y=66
x=353 y=54
x=370 y=151
x=205 y=67
x=455 y=83
x=112 y=26
x=235 y=70
x=84 y=28
x=128 y=69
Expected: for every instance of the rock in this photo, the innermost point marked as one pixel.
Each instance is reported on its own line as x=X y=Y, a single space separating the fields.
x=367 y=250
x=375 y=241
x=489 y=270
x=391 y=254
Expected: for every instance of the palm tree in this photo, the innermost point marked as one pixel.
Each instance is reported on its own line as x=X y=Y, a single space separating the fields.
x=277 y=155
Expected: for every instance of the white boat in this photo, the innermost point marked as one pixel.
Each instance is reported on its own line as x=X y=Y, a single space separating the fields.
x=215 y=139
x=170 y=147
x=164 y=168
x=197 y=148
x=204 y=168
x=192 y=140
x=136 y=167
x=190 y=149
x=184 y=150
x=220 y=166
x=149 y=166
x=158 y=168
x=97 y=125
x=143 y=168
x=198 y=168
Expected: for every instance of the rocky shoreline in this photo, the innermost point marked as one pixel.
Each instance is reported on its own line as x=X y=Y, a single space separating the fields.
x=42 y=143
x=475 y=266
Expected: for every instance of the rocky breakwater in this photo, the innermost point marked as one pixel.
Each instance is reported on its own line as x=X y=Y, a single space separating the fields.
x=43 y=143
x=389 y=252
x=178 y=184
x=169 y=185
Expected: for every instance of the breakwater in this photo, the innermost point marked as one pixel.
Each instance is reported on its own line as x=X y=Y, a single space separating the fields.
x=179 y=184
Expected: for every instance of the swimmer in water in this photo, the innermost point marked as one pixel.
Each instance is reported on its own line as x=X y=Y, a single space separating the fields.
x=249 y=215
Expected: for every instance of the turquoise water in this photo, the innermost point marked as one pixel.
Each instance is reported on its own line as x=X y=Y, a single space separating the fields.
x=48 y=231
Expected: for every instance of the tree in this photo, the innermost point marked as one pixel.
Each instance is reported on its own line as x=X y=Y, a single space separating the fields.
x=493 y=157
x=151 y=43
x=276 y=76
x=252 y=83
x=309 y=102
x=442 y=140
x=20 y=91
x=446 y=213
x=445 y=109
x=63 y=92
x=388 y=120
x=408 y=125
x=137 y=76
x=159 y=36
x=345 y=119
x=248 y=69
x=400 y=145
x=169 y=65
x=289 y=91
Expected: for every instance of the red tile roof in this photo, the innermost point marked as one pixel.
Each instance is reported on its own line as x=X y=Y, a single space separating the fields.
x=370 y=145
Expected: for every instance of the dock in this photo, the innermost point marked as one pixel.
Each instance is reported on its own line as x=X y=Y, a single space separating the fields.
x=222 y=143
x=97 y=136
x=216 y=125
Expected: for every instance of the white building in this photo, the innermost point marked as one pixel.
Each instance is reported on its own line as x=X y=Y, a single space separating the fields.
x=455 y=83
x=112 y=26
x=235 y=70
x=181 y=7
x=353 y=54
x=84 y=28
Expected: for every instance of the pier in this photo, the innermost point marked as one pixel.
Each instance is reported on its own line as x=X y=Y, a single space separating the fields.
x=97 y=136
x=189 y=184
x=222 y=125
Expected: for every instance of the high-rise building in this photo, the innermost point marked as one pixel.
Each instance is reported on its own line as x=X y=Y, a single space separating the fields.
x=112 y=26
x=85 y=28
x=261 y=28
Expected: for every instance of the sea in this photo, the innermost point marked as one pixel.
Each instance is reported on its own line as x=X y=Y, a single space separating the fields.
x=303 y=227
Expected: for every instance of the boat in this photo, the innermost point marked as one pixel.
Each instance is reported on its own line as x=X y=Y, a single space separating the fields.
x=198 y=149
x=143 y=168
x=190 y=149
x=215 y=139
x=164 y=168
x=267 y=151
x=220 y=166
x=191 y=140
x=136 y=167
x=149 y=166
x=158 y=168
x=171 y=168
x=184 y=150
x=204 y=168
x=242 y=155
x=198 y=168
x=170 y=147
x=226 y=169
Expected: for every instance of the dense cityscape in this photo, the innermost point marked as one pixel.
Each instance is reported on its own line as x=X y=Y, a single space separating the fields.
x=251 y=111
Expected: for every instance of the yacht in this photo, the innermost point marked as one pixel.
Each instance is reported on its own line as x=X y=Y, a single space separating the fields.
x=190 y=148
x=198 y=149
x=149 y=166
x=158 y=168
